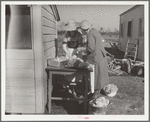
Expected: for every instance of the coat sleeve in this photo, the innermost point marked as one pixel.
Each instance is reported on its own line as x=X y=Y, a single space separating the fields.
x=102 y=48
x=91 y=43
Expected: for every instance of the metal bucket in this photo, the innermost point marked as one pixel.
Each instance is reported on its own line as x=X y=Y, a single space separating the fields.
x=101 y=110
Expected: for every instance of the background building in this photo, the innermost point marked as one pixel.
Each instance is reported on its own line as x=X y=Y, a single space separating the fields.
x=132 y=27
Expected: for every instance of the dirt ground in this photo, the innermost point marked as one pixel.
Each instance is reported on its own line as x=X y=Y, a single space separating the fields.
x=129 y=99
x=130 y=96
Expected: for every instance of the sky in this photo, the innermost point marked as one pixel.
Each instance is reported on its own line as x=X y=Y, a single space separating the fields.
x=105 y=16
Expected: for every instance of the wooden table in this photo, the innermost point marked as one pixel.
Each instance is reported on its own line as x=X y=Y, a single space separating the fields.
x=67 y=71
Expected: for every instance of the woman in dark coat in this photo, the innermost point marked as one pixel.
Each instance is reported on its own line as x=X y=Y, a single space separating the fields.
x=97 y=56
x=72 y=39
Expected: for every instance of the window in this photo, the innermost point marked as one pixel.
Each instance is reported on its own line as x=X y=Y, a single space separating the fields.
x=122 y=30
x=129 y=28
x=141 y=27
x=18 y=27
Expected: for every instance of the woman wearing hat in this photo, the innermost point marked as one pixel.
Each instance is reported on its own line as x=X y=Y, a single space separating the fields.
x=72 y=39
x=97 y=55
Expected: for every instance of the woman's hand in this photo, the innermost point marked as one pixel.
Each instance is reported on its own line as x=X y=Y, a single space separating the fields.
x=65 y=48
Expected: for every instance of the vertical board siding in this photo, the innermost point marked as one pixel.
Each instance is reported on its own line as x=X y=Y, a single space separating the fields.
x=133 y=15
x=20 y=64
x=20 y=100
x=20 y=81
x=26 y=82
x=16 y=108
x=20 y=73
x=27 y=104
x=49 y=35
x=20 y=91
x=15 y=54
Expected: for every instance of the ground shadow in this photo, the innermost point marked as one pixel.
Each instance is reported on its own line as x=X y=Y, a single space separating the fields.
x=71 y=107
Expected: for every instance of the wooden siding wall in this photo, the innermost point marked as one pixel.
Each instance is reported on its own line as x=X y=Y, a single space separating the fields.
x=133 y=16
x=48 y=37
x=20 y=87
x=26 y=79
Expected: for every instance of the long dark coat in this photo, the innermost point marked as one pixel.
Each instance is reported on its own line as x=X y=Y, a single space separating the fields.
x=98 y=57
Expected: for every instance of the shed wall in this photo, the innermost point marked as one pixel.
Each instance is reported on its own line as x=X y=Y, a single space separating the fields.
x=26 y=79
x=48 y=38
x=133 y=16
